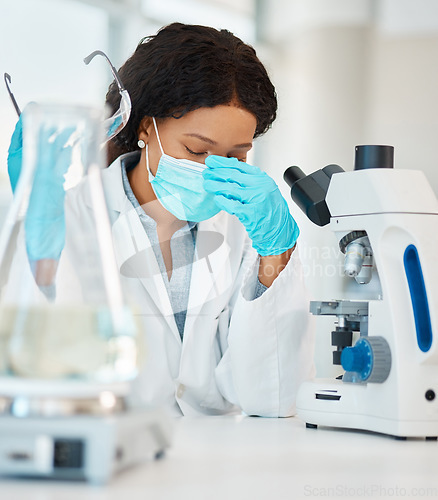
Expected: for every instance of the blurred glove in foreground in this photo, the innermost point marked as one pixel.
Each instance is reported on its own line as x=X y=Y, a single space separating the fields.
x=45 y=220
x=15 y=154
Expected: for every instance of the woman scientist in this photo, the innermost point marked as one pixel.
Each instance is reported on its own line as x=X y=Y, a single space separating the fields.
x=221 y=290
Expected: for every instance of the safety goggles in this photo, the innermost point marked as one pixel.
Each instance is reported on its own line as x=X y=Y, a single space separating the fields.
x=115 y=123
x=112 y=125
x=11 y=95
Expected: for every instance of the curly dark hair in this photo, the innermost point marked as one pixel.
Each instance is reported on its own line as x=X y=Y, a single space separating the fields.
x=186 y=67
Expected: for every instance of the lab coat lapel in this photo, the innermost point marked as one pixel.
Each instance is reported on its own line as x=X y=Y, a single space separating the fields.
x=133 y=250
x=211 y=272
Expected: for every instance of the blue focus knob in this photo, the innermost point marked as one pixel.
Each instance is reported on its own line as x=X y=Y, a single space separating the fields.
x=370 y=358
x=358 y=359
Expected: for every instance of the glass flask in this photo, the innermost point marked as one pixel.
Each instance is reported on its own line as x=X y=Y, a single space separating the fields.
x=63 y=313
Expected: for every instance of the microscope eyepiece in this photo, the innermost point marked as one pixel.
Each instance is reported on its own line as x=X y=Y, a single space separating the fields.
x=372 y=156
x=292 y=175
x=308 y=191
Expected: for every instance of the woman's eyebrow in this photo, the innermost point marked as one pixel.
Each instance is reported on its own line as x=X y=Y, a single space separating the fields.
x=214 y=143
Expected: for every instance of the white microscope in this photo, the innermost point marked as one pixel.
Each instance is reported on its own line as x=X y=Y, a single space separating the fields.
x=386 y=222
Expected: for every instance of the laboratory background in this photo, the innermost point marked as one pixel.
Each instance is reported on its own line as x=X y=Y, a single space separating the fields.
x=347 y=72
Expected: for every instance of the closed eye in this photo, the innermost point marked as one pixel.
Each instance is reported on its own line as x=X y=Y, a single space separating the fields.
x=194 y=153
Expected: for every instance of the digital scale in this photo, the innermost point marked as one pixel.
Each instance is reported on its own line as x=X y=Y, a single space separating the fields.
x=75 y=430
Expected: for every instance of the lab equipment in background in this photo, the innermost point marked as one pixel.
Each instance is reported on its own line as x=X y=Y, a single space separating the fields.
x=69 y=347
x=386 y=222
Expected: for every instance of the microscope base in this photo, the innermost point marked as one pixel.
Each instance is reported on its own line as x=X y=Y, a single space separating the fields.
x=333 y=403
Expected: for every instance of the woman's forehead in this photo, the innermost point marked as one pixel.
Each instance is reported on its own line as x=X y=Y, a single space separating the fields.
x=218 y=124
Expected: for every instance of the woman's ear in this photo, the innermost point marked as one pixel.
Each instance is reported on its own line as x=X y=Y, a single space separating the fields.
x=144 y=129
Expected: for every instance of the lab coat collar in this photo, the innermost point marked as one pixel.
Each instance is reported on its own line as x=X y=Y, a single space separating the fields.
x=113 y=184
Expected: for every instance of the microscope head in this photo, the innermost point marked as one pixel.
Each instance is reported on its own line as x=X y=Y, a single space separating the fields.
x=309 y=191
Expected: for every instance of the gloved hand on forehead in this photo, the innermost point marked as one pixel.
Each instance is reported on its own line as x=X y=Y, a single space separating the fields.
x=251 y=195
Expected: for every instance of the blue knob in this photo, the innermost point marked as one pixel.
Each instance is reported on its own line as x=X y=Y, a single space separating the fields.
x=358 y=359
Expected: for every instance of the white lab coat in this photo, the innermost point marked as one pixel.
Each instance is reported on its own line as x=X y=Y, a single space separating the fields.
x=237 y=354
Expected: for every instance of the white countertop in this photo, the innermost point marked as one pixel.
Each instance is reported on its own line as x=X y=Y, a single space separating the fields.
x=256 y=458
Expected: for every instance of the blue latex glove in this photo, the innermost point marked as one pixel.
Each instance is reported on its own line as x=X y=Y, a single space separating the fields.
x=15 y=154
x=249 y=193
x=45 y=220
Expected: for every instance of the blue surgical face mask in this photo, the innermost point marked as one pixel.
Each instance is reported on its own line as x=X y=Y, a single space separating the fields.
x=178 y=185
